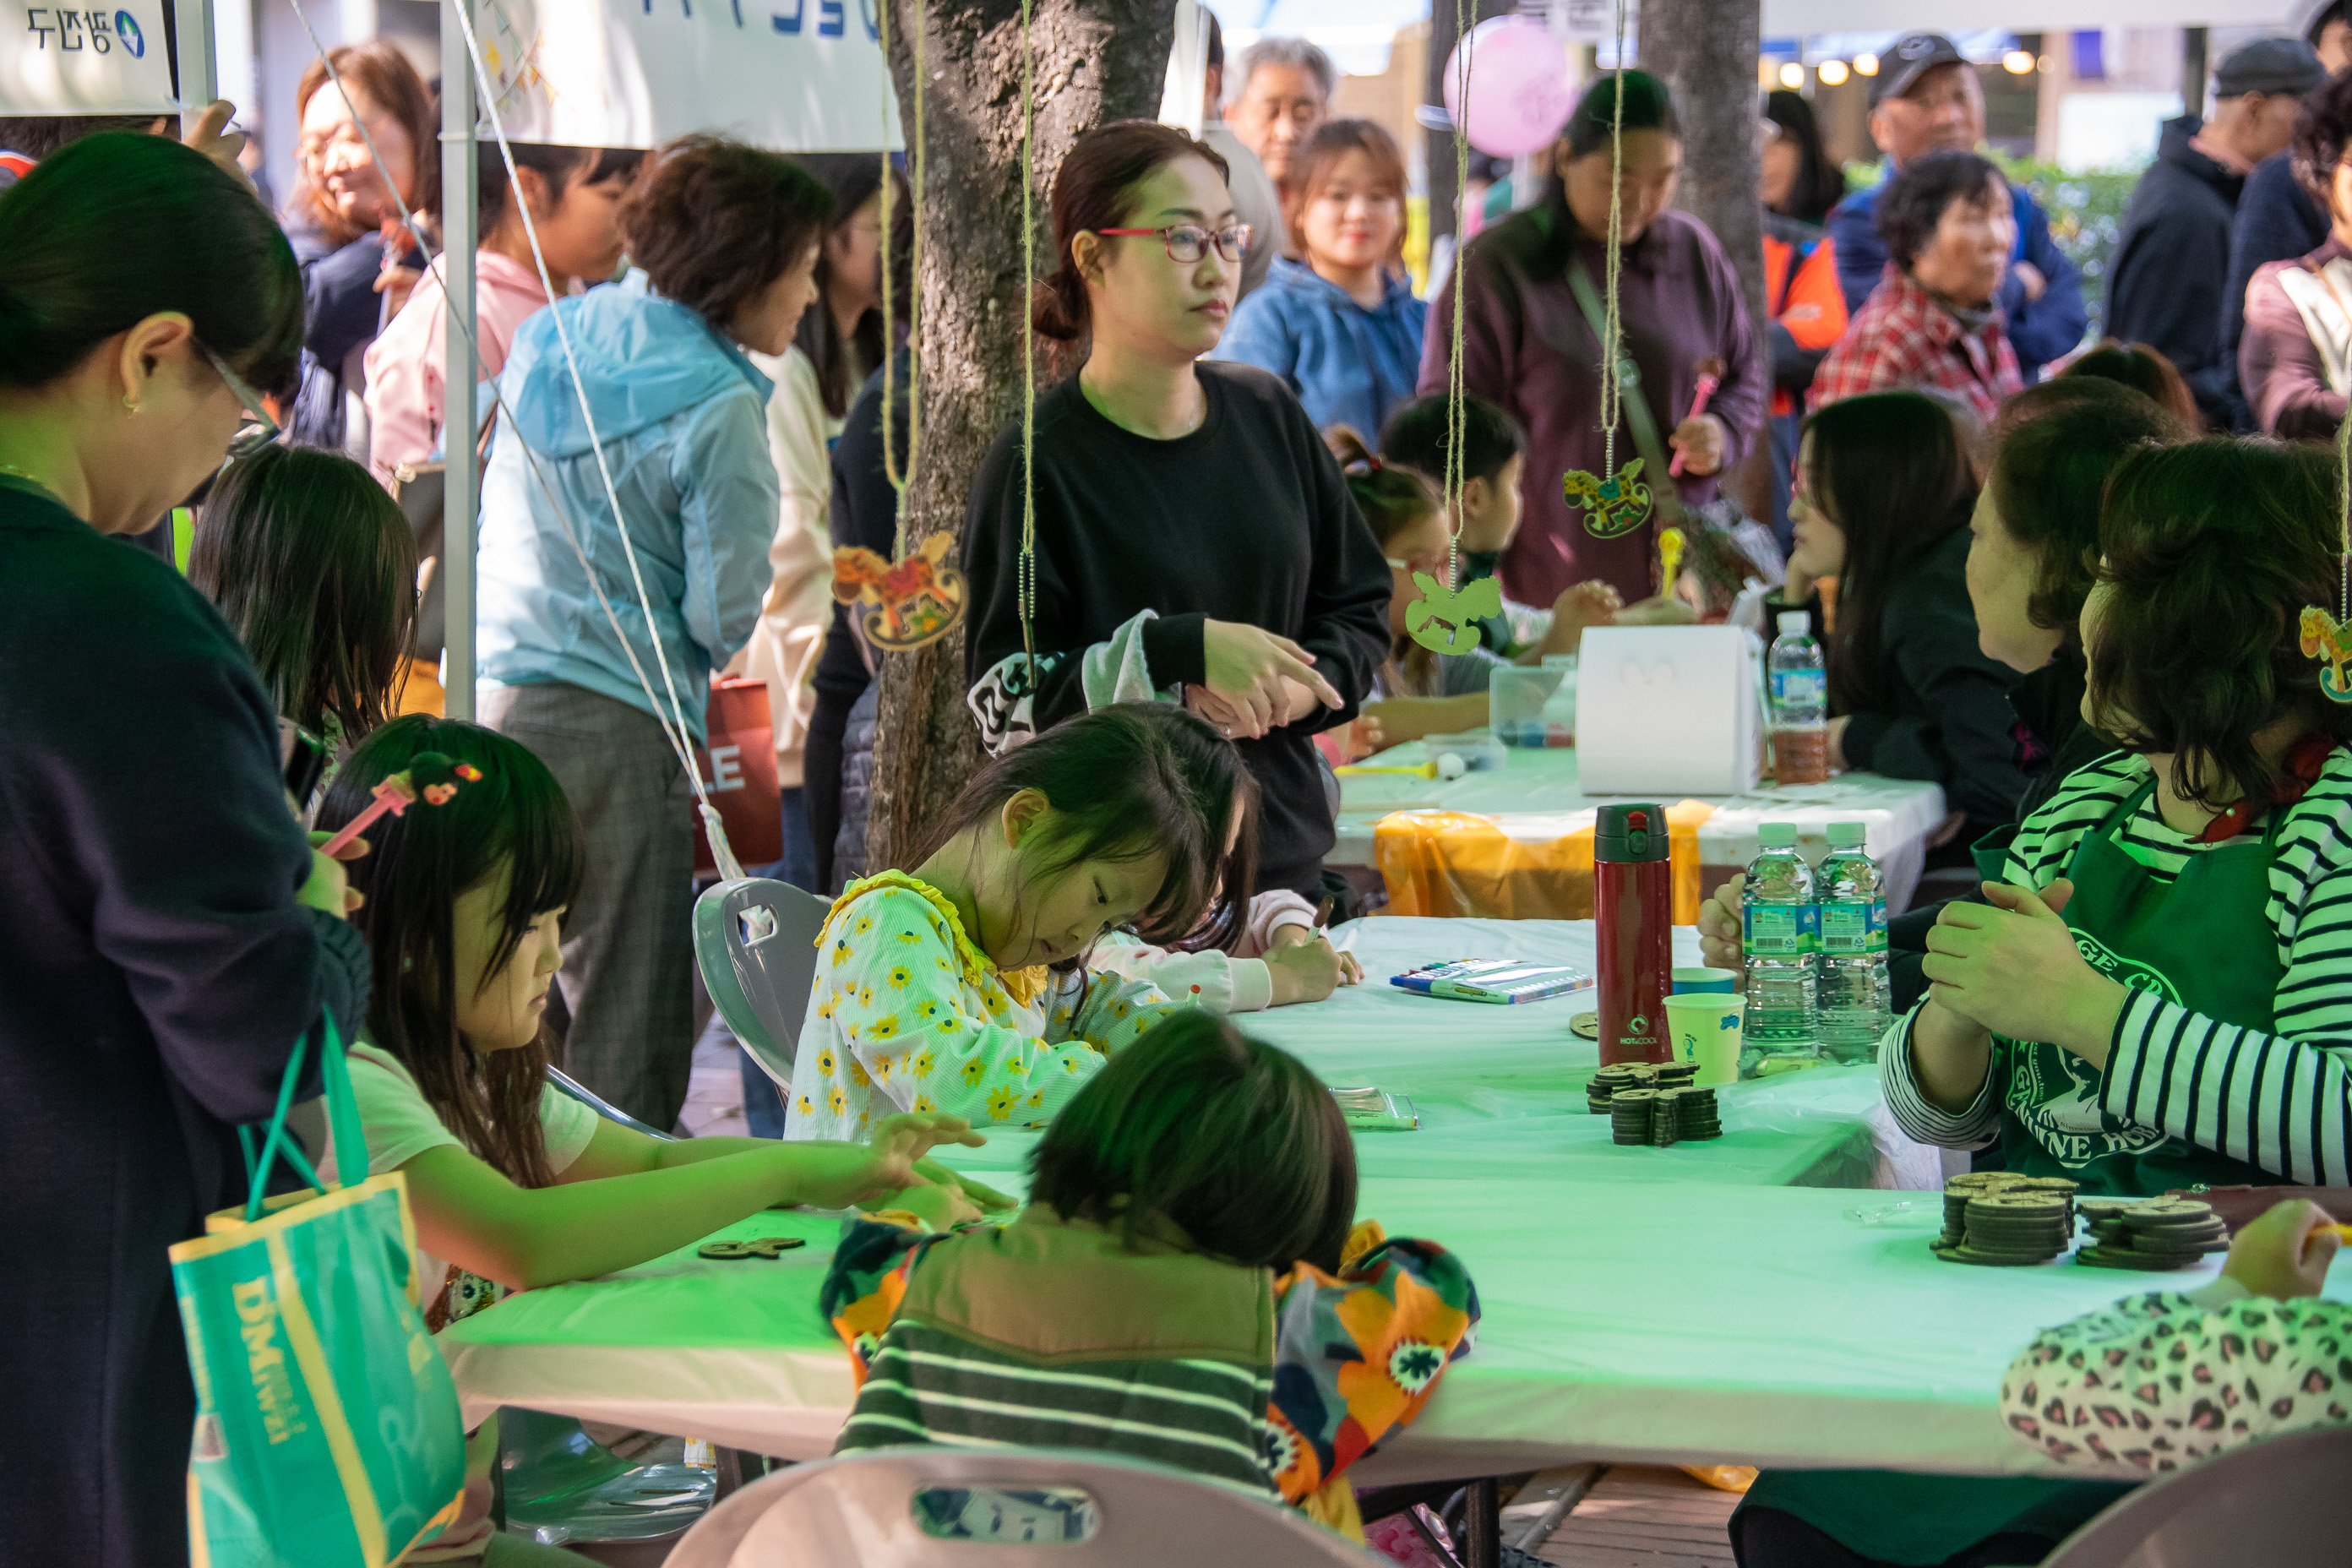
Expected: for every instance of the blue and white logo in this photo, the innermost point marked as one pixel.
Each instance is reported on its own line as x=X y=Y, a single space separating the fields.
x=126 y=28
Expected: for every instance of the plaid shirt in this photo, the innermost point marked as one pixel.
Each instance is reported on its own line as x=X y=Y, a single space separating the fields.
x=1902 y=338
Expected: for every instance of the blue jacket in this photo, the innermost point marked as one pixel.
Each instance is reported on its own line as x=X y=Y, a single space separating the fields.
x=2040 y=331
x=1348 y=365
x=683 y=418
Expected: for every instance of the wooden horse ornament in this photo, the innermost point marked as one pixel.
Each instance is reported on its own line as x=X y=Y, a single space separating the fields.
x=907 y=604
x=2326 y=640
x=1616 y=505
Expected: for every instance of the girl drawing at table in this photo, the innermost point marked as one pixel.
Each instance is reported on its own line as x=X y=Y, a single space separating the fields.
x=962 y=986
x=1209 y=1302
x=513 y=1184
x=1416 y=692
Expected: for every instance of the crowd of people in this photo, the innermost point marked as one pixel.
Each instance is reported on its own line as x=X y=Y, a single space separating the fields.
x=2061 y=584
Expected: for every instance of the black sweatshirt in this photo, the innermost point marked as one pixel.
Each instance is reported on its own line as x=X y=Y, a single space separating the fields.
x=154 y=972
x=1246 y=520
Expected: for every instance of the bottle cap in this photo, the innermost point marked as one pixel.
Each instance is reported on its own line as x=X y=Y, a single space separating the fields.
x=1795 y=621
x=1847 y=835
x=1622 y=832
x=1777 y=834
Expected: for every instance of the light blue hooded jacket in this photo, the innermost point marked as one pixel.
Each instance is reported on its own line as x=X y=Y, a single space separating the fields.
x=683 y=418
x=1348 y=365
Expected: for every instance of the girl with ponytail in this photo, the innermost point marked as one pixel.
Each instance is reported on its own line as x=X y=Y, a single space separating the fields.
x=1193 y=542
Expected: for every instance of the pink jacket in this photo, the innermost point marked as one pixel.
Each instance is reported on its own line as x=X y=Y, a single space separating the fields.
x=405 y=363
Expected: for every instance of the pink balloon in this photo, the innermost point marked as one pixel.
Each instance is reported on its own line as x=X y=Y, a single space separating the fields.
x=1519 y=91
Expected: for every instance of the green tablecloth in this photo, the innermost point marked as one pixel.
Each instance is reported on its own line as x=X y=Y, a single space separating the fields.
x=1665 y=1322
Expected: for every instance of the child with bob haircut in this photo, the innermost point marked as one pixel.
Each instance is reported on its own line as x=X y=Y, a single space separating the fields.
x=960 y=987
x=515 y=1185
x=1206 y=1302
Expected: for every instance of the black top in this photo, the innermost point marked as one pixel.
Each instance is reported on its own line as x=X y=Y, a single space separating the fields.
x=2050 y=741
x=2171 y=262
x=1246 y=520
x=865 y=512
x=1946 y=715
x=154 y=972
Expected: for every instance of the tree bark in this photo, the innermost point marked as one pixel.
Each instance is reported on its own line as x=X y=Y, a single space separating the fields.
x=1704 y=51
x=1444 y=190
x=1094 y=61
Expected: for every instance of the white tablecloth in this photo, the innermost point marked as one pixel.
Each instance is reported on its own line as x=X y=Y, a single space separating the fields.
x=1535 y=798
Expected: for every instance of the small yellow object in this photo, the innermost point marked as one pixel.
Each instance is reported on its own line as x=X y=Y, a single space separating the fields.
x=1670 y=558
x=1425 y=771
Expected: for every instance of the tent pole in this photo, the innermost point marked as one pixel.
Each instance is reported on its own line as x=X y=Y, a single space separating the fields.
x=191 y=41
x=460 y=181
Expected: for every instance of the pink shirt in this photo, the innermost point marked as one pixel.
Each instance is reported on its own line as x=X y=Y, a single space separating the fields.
x=406 y=364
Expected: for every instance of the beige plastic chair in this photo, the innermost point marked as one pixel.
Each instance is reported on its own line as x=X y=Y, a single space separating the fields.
x=930 y=1507
x=2278 y=1503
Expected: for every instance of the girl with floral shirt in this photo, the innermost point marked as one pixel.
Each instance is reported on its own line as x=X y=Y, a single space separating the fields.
x=960 y=987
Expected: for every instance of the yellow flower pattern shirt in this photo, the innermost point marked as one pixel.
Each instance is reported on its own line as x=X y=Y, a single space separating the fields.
x=908 y=1015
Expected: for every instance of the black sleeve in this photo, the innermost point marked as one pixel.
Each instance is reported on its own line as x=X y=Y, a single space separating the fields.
x=992 y=558
x=1962 y=741
x=149 y=758
x=341 y=307
x=1347 y=622
x=1792 y=366
x=863 y=512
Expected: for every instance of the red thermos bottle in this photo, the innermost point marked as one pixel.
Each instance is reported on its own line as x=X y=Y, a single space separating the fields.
x=1634 y=913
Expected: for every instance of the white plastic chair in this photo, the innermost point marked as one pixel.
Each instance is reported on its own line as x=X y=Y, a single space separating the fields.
x=755 y=941
x=2278 y=1503
x=931 y=1507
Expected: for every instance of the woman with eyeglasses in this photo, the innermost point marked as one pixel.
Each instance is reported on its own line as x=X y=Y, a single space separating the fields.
x=1194 y=540
x=166 y=933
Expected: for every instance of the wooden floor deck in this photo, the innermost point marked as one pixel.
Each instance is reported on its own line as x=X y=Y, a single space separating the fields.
x=1644 y=1516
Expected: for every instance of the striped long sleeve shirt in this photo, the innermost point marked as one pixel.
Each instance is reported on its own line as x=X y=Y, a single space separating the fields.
x=2281 y=1098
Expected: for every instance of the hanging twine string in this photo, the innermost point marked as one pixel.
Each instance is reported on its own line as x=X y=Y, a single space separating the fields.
x=1026 y=578
x=1457 y=419
x=902 y=476
x=1611 y=347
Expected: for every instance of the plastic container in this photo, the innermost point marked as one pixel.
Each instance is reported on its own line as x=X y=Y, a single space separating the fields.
x=1533 y=706
x=1633 y=919
x=1780 y=932
x=1853 y=1002
x=1479 y=753
x=1800 y=689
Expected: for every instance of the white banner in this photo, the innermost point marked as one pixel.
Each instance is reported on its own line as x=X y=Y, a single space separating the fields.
x=800 y=76
x=91 y=60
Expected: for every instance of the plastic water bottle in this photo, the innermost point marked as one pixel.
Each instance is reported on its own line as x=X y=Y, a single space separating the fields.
x=1781 y=927
x=1801 y=733
x=1855 y=1001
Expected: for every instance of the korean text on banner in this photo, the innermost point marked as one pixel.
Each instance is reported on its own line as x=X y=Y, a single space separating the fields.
x=105 y=59
x=800 y=76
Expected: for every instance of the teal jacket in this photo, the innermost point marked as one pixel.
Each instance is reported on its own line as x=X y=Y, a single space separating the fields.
x=682 y=416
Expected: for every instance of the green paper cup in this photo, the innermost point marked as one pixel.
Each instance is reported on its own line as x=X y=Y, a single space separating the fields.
x=1705 y=1029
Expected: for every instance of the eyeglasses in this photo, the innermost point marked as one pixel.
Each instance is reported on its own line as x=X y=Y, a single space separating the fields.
x=259 y=429
x=1187 y=242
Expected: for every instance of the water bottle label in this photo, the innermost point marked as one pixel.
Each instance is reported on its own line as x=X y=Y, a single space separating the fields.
x=1780 y=930
x=1854 y=926
x=1799 y=688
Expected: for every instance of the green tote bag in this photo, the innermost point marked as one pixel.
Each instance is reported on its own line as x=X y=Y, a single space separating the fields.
x=327 y=1428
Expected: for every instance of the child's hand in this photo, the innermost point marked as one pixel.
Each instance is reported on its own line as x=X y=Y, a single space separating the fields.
x=980 y=1192
x=1719 y=932
x=939 y=1205
x=2286 y=1252
x=1581 y=605
x=1304 y=970
x=1658 y=610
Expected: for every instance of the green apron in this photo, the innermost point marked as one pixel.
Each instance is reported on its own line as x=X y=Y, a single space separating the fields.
x=2204 y=942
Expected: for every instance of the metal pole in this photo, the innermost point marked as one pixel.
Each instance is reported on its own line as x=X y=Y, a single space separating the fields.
x=192 y=39
x=460 y=183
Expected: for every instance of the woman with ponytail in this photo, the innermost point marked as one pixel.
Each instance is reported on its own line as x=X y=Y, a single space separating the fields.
x=1194 y=542
x=165 y=932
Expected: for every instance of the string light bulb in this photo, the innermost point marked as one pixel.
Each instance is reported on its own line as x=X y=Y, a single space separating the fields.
x=1792 y=75
x=2017 y=63
x=1865 y=64
x=1831 y=72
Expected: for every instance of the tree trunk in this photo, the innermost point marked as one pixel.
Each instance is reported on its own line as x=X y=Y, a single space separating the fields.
x=1444 y=190
x=1704 y=51
x=1094 y=61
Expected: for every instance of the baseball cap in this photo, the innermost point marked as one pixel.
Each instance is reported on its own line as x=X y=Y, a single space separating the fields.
x=2269 y=65
x=1911 y=57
